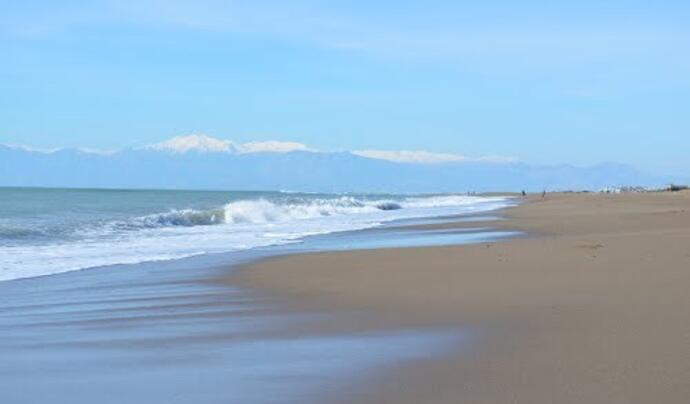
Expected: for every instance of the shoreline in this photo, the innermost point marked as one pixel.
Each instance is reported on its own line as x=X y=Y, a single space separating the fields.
x=130 y=329
x=589 y=307
x=90 y=230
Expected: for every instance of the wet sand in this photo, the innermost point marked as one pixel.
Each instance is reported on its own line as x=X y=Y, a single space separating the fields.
x=591 y=306
x=168 y=332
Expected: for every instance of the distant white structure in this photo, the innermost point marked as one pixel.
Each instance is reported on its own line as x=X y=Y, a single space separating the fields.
x=625 y=189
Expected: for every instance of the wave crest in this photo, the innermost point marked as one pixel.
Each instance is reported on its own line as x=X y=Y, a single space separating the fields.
x=287 y=209
x=186 y=217
x=263 y=211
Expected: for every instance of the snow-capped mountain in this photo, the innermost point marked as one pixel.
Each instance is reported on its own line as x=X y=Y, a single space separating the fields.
x=204 y=162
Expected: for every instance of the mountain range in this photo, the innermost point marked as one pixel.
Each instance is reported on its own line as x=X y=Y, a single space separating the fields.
x=202 y=162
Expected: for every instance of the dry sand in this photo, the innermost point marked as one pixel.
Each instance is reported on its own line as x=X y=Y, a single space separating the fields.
x=592 y=306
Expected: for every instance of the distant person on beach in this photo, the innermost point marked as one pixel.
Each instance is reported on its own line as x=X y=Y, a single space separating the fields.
x=543 y=194
x=524 y=194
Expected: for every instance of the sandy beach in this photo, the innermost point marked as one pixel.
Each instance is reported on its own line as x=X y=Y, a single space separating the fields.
x=590 y=306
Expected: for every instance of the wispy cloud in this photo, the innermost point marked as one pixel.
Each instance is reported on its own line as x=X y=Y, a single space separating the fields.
x=494 y=44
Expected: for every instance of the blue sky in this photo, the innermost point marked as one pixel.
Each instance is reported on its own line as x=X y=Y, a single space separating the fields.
x=543 y=82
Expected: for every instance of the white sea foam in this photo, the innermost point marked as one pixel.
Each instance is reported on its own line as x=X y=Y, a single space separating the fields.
x=264 y=211
x=239 y=225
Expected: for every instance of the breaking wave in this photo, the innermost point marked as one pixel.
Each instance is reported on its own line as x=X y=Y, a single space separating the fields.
x=134 y=230
x=289 y=209
x=185 y=217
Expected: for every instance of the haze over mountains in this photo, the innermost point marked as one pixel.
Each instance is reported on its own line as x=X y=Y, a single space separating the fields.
x=202 y=162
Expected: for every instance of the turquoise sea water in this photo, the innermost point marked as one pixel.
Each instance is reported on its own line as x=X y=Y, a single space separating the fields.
x=47 y=231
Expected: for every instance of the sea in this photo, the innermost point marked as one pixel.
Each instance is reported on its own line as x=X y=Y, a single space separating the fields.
x=49 y=231
x=116 y=296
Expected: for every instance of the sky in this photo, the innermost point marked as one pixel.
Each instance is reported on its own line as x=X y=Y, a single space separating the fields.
x=545 y=82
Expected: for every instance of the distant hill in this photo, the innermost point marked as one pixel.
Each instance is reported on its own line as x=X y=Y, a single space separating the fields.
x=221 y=167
